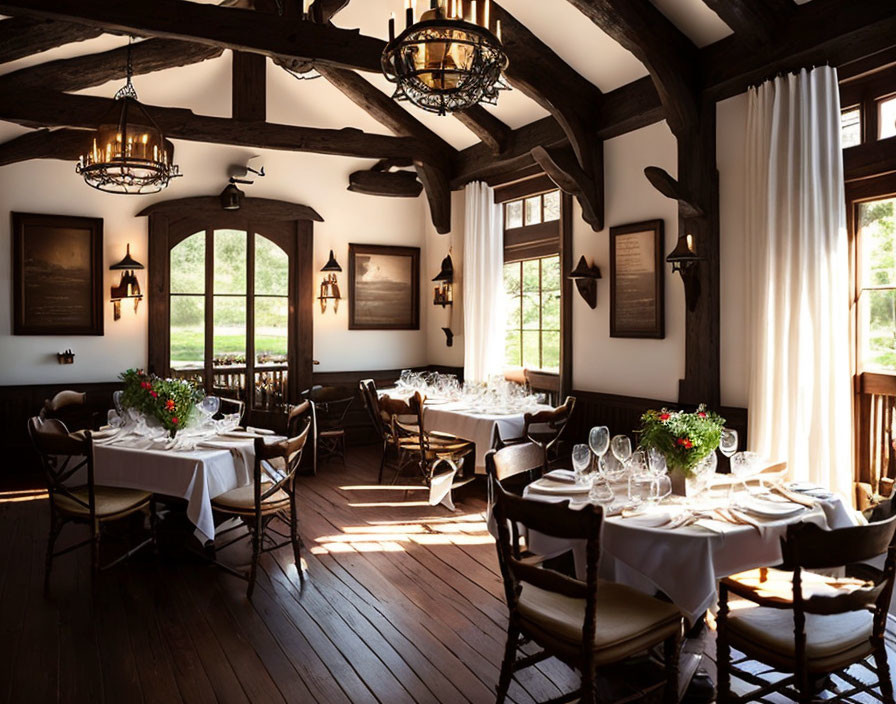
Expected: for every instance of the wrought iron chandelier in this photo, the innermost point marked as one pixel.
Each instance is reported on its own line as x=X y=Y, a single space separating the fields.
x=450 y=60
x=129 y=153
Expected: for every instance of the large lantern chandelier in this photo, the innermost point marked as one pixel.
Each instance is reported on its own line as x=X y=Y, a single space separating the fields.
x=450 y=60
x=129 y=154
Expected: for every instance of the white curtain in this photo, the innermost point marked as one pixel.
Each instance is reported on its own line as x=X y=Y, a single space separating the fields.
x=798 y=296
x=483 y=283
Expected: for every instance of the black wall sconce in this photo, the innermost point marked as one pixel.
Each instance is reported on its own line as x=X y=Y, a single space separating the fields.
x=128 y=286
x=586 y=278
x=684 y=260
x=329 y=287
x=231 y=197
x=449 y=337
x=443 y=294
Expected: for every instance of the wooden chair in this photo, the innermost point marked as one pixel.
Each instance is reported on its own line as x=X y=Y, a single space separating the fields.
x=298 y=416
x=382 y=424
x=545 y=383
x=544 y=428
x=806 y=624
x=515 y=466
x=64 y=455
x=586 y=624
x=428 y=450
x=270 y=496
x=331 y=404
x=72 y=408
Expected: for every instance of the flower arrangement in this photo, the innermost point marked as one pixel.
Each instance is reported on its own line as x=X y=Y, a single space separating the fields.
x=171 y=401
x=684 y=439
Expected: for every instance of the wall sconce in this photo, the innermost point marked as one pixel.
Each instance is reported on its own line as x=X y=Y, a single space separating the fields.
x=128 y=287
x=586 y=281
x=443 y=295
x=231 y=197
x=684 y=260
x=329 y=287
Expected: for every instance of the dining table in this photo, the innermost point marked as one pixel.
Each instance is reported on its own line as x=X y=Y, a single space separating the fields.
x=196 y=471
x=684 y=546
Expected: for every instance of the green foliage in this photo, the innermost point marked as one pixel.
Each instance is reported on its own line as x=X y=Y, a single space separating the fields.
x=684 y=439
x=171 y=401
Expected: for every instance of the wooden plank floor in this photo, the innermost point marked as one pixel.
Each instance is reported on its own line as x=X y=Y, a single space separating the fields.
x=401 y=603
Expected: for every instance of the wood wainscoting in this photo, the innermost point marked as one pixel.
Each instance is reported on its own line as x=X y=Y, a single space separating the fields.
x=622 y=414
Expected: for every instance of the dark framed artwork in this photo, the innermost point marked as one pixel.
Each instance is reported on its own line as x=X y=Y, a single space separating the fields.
x=383 y=287
x=57 y=263
x=637 y=303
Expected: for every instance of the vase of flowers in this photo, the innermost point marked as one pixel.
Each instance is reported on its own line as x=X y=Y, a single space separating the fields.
x=172 y=402
x=686 y=441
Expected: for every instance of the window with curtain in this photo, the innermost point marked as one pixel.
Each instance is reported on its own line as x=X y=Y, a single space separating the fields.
x=532 y=281
x=229 y=314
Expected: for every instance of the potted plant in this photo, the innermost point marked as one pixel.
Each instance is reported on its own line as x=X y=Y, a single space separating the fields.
x=686 y=440
x=171 y=401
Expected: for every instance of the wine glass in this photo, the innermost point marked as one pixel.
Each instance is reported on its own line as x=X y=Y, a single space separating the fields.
x=656 y=462
x=209 y=406
x=621 y=446
x=743 y=466
x=599 y=441
x=581 y=460
x=116 y=400
x=728 y=442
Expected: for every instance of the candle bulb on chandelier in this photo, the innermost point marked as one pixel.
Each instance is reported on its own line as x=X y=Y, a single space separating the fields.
x=485 y=19
x=498 y=30
x=391 y=26
x=690 y=241
x=473 y=12
x=408 y=14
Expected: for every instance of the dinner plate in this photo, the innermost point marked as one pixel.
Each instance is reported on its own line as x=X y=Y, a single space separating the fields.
x=106 y=433
x=770 y=509
x=547 y=486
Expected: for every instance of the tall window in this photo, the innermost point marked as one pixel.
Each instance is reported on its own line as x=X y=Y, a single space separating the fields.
x=229 y=314
x=532 y=281
x=876 y=284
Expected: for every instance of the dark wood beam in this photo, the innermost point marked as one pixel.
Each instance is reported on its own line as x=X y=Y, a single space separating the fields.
x=42 y=108
x=324 y=10
x=870 y=159
x=96 y=69
x=432 y=172
x=242 y=30
x=670 y=57
x=561 y=165
x=669 y=187
x=250 y=209
x=397 y=184
x=490 y=130
x=63 y=144
x=249 y=94
x=755 y=21
x=24 y=36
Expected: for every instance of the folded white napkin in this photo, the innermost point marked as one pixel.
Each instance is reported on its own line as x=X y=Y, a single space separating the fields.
x=649 y=520
x=565 y=476
x=548 y=486
x=258 y=431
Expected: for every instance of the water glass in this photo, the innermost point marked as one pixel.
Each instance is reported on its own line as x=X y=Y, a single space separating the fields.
x=640 y=488
x=661 y=488
x=581 y=460
x=601 y=491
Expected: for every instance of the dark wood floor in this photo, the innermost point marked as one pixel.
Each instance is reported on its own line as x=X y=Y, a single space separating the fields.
x=402 y=603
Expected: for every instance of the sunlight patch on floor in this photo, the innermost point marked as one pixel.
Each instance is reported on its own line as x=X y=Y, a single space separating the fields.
x=9 y=497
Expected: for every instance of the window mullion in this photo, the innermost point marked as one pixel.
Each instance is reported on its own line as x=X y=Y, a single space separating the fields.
x=209 y=310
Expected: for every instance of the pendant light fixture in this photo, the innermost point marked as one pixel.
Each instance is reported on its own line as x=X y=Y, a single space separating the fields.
x=450 y=60
x=129 y=153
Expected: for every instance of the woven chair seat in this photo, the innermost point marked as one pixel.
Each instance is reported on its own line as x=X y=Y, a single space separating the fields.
x=110 y=501
x=242 y=500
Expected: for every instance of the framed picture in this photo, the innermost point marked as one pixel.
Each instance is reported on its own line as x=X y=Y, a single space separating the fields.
x=57 y=264
x=637 y=304
x=383 y=287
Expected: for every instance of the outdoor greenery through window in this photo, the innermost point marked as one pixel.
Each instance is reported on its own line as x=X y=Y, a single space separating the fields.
x=532 y=307
x=877 y=283
x=230 y=300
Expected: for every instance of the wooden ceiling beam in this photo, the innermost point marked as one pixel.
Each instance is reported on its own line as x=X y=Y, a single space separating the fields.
x=24 y=36
x=670 y=57
x=755 y=21
x=249 y=87
x=397 y=184
x=41 y=108
x=490 y=130
x=230 y=28
x=63 y=144
x=96 y=69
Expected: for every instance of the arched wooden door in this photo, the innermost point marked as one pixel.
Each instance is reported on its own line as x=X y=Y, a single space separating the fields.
x=230 y=299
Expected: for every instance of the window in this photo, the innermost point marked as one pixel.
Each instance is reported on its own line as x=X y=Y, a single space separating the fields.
x=851 y=127
x=246 y=336
x=532 y=280
x=886 y=119
x=876 y=249
x=532 y=307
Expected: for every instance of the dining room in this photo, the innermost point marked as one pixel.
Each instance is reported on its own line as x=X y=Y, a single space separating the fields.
x=450 y=351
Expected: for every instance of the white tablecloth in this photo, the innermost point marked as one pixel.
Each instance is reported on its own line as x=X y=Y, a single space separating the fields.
x=686 y=563
x=195 y=475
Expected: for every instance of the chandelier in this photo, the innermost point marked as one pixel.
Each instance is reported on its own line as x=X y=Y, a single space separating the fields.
x=449 y=60
x=129 y=154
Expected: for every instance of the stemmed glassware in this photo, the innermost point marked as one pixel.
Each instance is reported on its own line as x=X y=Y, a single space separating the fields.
x=599 y=441
x=581 y=463
x=728 y=442
x=621 y=447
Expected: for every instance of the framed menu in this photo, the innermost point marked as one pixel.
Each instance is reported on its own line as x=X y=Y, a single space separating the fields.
x=637 y=304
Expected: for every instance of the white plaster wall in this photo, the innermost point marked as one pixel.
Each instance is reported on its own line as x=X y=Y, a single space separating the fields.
x=632 y=367
x=731 y=118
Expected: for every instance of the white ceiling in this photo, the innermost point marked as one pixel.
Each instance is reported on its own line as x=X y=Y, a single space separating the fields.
x=205 y=88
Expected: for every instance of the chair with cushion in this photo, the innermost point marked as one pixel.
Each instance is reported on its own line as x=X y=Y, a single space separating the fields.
x=270 y=496
x=586 y=624
x=800 y=622
x=67 y=461
x=382 y=424
x=331 y=404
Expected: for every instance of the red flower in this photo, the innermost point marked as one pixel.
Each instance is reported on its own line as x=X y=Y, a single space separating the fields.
x=169 y=405
x=701 y=414
x=145 y=385
x=174 y=421
x=685 y=443
x=153 y=394
x=665 y=416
